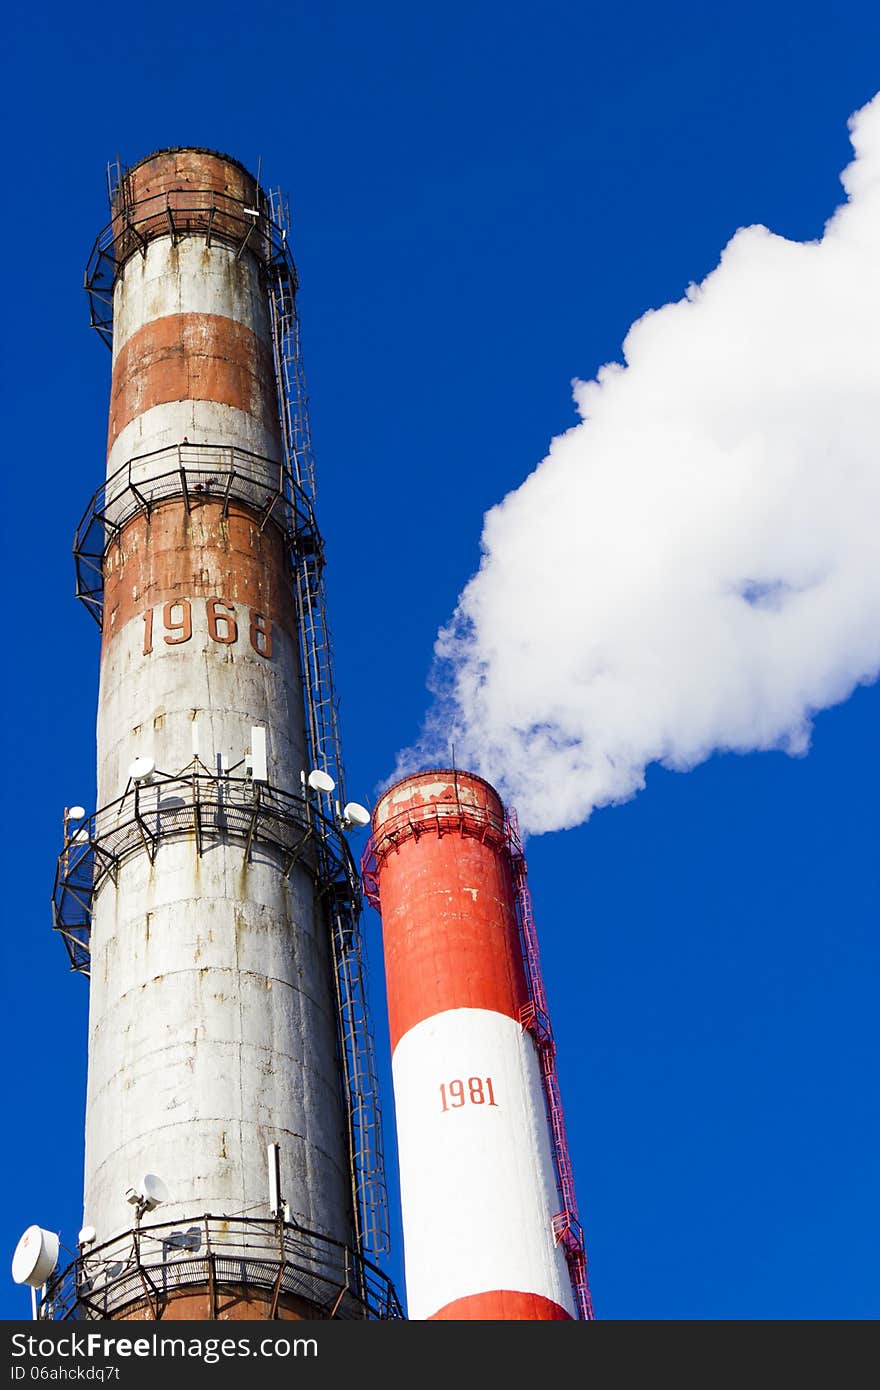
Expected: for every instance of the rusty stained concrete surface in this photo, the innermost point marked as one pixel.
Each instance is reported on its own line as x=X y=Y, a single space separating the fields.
x=239 y=1303
x=225 y=690
x=191 y=357
x=173 y=171
x=147 y=702
x=198 y=422
x=177 y=553
x=189 y=278
x=179 y=179
x=212 y=1033
x=236 y=398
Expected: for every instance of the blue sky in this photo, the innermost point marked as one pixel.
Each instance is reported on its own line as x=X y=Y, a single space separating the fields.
x=485 y=197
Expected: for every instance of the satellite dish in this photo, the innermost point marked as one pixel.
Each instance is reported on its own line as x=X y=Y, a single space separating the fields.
x=141 y=769
x=321 y=781
x=355 y=815
x=36 y=1255
x=153 y=1191
x=87 y=1236
x=80 y=837
x=76 y=812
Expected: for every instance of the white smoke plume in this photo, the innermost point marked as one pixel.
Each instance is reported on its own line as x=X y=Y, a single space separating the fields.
x=695 y=565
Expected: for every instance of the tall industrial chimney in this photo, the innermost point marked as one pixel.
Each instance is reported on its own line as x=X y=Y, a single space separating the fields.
x=490 y=1221
x=233 y=1161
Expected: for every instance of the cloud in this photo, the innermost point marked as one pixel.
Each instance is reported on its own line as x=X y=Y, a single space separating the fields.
x=694 y=566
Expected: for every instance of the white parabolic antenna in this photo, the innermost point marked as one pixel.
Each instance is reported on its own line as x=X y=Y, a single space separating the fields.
x=141 y=768
x=321 y=781
x=353 y=813
x=153 y=1191
x=75 y=812
x=36 y=1255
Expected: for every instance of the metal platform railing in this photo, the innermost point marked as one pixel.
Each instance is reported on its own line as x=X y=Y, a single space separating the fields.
x=429 y=818
x=196 y=474
x=205 y=213
x=208 y=809
x=146 y=1267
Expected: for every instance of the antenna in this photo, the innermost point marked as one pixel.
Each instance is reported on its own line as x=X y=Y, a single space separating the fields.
x=276 y=1201
x=150 y=1193
x=255 y=760
x=80 y=836
x=321 y=781
x=154 y=1190
x=35 y=1257
x=142 y=769
x=354 y=816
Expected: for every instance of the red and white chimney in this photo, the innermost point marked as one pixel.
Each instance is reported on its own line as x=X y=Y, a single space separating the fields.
x=490 y=1228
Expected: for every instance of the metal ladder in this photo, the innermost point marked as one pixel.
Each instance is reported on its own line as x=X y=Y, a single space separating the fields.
x=342 y=897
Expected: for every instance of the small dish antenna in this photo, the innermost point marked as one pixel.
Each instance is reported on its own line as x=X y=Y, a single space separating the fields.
x=87 y=1236
x=321 y=781
x=150 y=1193
x=76 y=812
x=141 y=769
x=36 y=1255
x=354 y=816
x=154 y=1191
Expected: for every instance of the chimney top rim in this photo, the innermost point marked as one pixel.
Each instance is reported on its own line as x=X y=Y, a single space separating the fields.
x=189 y=149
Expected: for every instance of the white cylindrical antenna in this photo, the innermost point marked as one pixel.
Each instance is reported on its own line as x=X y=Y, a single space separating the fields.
x=195 y=735
x=255 y=760
x=276 y=1201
